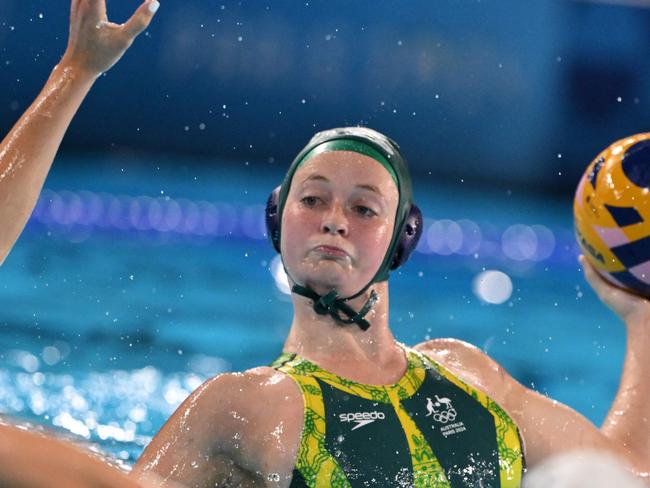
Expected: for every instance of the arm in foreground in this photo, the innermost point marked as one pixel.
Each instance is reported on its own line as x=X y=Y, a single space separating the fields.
x=27 y=152
x=547 y=427
x=32 y=460
x=628 y=420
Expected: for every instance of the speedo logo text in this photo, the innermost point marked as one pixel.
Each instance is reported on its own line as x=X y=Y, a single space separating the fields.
x=361 y=418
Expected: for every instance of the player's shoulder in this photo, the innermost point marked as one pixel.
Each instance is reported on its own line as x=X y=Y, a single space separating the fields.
x=470 y=364
x=246 y=403
x=452 y=350
x=229 y=414
x=261 y=384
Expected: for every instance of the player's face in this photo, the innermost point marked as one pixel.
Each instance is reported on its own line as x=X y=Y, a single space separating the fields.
x=338 y=221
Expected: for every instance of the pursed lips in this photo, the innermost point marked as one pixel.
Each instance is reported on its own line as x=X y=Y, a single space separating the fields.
x=331 y=251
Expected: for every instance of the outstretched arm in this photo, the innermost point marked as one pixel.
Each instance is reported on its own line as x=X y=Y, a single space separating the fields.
x=628 y=420
x=27 y=152
x=33 y=460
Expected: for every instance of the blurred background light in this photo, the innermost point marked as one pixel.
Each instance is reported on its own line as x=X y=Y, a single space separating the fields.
x=494 y=287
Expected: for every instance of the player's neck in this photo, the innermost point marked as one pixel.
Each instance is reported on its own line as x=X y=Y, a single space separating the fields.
x=346 y=349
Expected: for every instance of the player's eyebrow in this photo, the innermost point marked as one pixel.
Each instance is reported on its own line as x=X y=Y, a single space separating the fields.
x=322 y=178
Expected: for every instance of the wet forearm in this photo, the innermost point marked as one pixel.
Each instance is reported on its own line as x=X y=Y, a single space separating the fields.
x=27 y=152
x=34 y=460
x=628 y=420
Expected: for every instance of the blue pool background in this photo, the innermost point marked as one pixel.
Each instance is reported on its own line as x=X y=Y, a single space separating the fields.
x=108 y=322
x=144 y=269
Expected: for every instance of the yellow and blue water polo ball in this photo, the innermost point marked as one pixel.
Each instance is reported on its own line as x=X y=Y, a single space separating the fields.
x=612 y=213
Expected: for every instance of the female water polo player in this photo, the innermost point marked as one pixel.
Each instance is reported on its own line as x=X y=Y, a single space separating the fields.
x=345 y=404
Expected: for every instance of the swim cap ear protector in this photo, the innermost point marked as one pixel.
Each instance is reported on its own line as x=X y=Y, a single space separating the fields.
x=408 y=219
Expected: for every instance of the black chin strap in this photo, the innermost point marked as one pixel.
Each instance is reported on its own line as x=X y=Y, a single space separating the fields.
x=331 y=304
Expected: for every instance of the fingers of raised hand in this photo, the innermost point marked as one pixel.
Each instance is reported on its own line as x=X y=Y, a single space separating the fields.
x=591 y=275
x=96 y=9
x=140 y=19
x=95 y=44
x=89 y=10
x=603 y=289
x=93 y=13
x=625 y=304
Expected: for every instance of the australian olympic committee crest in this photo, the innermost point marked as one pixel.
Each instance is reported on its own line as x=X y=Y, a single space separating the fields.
x=443 y=412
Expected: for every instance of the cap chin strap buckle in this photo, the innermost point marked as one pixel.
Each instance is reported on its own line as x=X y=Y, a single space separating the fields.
x=325 y=304
x=331 y=304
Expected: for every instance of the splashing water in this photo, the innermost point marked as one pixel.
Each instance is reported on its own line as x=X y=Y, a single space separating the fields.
x=580 y=469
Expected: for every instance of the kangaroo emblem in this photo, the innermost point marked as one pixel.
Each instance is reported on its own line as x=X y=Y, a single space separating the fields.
x=440 y=414
x=430 y=408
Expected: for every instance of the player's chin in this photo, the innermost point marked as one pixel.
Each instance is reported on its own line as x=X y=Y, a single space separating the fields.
x=328 y=269
x=323 y=276
x=326 y=281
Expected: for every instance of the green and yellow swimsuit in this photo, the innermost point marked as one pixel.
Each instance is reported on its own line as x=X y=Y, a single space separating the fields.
x=429 y=429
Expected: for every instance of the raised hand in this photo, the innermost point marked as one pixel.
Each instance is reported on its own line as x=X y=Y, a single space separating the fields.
x=96 y=44
x=27 y=152
x=628 y=306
